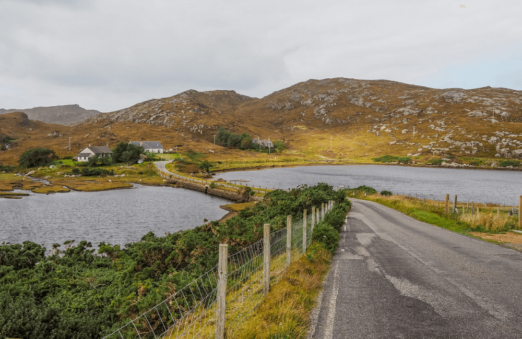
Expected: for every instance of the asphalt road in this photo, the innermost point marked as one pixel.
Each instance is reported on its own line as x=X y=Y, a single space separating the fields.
x=396 y=277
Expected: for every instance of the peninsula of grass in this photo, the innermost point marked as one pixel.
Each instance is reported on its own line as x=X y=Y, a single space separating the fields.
x=46 y=189
x=12 y=195
x=10 y=182
x=239 y=207
x=91 y=185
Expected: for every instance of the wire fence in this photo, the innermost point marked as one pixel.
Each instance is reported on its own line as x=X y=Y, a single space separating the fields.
x=193 y=311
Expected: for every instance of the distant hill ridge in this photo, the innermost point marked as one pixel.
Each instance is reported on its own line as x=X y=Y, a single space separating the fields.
x=331 y=118
x=63 y=115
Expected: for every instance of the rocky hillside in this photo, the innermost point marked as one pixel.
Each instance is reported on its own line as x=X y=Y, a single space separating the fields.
x=333 y=118
x=64 y=115
x=401 y=118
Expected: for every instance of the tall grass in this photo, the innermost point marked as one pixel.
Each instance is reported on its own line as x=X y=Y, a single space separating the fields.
x=489 y=221
x=285 y=312
x=432 y=212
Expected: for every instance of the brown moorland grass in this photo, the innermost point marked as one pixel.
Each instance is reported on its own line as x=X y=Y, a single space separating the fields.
x=346 y=130
x=88 y=185
x=51 y=189
x=9 y=181
x=490 y=220
x=285 y=311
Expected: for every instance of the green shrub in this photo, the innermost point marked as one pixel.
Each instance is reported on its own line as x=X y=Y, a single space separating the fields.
x=435 y=161
x=89 y=172
x=386 y=193
x=75 y=171
x=368 y=190
x=404 y=160
x=75 y=293
x=4 y=168
x=213 y=184
x=327 y=236
x=335 y=218
x=506 y=163
x=37 y=157
x=127 y=153
x=385 y=158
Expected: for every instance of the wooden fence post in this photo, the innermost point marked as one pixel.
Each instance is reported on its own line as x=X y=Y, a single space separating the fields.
x=305 y=223
x=455 y=203
x=222 y=291
x=266 y=258
x=313 y=220
x=520 y=212
x=446 y=208
x=317 y=215
x=288 y=240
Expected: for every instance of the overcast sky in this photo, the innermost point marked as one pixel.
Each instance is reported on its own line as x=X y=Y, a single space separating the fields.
x=111 y=54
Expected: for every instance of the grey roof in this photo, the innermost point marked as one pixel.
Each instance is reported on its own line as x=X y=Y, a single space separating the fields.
x=100 y=149
x=148 y=144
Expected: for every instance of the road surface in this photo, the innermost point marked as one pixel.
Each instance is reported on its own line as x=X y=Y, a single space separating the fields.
x=396 y=277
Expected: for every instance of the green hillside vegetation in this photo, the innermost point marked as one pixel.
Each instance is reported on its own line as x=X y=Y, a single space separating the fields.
x=391 y=158
x=76 y=293
x=243 y=141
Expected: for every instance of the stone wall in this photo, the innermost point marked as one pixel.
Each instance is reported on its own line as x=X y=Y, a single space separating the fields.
x=200 y=187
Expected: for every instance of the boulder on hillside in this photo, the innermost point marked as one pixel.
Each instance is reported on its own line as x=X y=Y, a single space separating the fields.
x=454 y=96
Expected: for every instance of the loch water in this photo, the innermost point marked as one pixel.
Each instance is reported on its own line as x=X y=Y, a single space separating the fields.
x=484 y=186
x=117 y=217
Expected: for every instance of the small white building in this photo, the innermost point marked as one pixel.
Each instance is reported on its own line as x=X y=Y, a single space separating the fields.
x=100 y=151
x=265 y=143
x=149 y=146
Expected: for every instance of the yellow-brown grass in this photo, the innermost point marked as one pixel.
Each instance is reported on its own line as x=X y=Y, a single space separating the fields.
x=9 y=182
x=239 y=207
x=285 y=311
x=490 y=221
x=51 y=189
x=80 y=185
x=431 y=211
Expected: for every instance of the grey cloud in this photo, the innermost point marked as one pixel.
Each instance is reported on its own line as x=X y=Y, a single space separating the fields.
x=112 y=54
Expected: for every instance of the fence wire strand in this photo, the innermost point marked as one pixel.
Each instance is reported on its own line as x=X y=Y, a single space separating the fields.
x=191 y=312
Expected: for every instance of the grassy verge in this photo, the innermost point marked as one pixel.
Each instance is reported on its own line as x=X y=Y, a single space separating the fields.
x=490 y=220
x=285 y=312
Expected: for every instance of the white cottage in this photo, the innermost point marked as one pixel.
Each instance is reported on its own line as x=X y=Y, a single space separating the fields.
x=265 y=143
x=149 y=146
x=87 y=152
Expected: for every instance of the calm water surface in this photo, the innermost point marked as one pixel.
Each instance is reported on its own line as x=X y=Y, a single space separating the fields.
x=474 y=185
x=117 y=217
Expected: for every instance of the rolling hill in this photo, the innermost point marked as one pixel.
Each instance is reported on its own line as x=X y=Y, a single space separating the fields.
x=64 y=115
x=333 y=118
